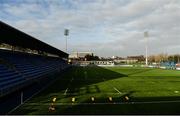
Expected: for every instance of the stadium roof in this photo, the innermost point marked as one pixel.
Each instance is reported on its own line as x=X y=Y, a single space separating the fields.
x=15 y=37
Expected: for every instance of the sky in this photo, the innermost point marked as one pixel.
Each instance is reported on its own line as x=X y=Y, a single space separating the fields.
x=105 y=27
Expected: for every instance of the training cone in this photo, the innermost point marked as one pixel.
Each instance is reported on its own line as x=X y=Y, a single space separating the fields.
x=73 y=99
x=126 y=98
x=92 y=99
x=110 y=99
x=54 y=99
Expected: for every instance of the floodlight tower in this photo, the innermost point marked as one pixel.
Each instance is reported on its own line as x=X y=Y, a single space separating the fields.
x=146 y=39
x=66 y=33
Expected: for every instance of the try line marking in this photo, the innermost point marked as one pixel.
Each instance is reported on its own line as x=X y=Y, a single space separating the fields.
x=117 y=90
x=65 y=92
x=114 y=88
x=148 y=102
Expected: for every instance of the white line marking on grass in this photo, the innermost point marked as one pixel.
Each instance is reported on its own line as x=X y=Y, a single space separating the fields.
x=105 y=103
x=46 y=86
x=155 y=102
x=114 y=88
x=117 y=90
x=66 y=91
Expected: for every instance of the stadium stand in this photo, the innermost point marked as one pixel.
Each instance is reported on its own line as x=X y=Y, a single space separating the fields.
x=19 y=68
x=168 y=65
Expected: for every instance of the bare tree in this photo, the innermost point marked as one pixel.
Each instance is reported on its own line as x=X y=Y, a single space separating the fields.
x=151 y=58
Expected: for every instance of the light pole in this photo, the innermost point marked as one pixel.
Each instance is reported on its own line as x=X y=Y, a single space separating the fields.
x=66 y=33
x=146 y=37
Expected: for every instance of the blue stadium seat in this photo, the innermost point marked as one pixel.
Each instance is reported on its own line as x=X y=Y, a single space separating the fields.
x=20 y=68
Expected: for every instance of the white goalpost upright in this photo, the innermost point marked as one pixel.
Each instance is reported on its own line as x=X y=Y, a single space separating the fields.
x=146 y=44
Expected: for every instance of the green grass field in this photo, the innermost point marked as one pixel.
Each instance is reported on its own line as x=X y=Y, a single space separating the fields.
x=150 y=91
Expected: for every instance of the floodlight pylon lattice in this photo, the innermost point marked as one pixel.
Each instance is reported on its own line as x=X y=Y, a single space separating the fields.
x=66 y=33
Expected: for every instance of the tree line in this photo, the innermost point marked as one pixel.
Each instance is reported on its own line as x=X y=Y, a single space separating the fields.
x=164 y=58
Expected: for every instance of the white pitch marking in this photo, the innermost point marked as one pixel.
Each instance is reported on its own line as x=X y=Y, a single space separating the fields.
x=114 y=88
x=147 y=102
x=117 y=90
x=66 y=91
x=82 y=93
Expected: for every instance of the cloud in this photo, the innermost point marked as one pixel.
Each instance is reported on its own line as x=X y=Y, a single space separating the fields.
x=106 y=27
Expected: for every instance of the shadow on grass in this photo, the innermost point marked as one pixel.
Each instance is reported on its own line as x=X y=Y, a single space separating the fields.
x=97 y=75
x=73 y=80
